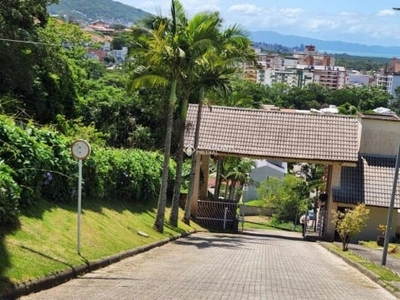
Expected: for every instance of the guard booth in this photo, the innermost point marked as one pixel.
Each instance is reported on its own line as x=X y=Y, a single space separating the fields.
x=287 y=135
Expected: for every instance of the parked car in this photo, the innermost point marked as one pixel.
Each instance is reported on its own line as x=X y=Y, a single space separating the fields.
x=310 y=216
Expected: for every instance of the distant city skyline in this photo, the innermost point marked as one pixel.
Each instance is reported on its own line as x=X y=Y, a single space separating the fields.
x=360 y=21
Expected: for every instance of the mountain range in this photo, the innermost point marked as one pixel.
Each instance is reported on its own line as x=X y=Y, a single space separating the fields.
x=331 y=47
x=86 y=11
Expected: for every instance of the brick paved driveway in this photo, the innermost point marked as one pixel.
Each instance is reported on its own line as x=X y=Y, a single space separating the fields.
x=268 y=265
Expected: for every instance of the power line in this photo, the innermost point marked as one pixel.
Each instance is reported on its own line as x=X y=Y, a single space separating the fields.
x=31 y=42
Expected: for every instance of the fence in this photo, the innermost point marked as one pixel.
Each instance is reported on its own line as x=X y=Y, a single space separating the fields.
x=218 y=215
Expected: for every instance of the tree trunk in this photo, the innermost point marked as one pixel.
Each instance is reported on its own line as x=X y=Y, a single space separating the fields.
x=173 y=218
x=162 y=199
x=345 y=243
x=188 y=205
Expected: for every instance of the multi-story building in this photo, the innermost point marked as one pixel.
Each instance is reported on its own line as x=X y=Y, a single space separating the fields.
x=312 y=57
x=389 y=78
x=388 y=82
x=298 y=70
x=331 y=77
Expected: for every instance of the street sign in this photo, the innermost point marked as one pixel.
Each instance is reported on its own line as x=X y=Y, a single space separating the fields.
x=80 y=149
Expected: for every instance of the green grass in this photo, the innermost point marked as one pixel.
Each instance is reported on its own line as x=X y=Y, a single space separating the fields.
x=382 y=272
x=260 y=222
x=258 y=203
x=46 y=240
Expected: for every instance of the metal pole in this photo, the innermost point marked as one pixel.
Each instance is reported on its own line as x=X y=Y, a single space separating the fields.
x=226 y=212
x=242 y=209
x=79 y=206
x=390 y=212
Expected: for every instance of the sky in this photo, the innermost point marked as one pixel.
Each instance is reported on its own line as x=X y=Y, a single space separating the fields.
x=366 y=22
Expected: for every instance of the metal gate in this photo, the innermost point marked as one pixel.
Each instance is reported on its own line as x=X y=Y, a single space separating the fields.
x=217 y=215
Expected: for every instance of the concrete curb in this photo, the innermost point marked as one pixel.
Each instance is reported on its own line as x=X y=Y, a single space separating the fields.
x=365 y=271
x=58 y=278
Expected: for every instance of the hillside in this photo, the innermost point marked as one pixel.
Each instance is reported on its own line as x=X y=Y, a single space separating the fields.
x=86 y=11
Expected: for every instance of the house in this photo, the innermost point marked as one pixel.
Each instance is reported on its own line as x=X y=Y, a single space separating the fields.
x=101 y=26
x=371 y=181
x=358 y=152
x=261 y=172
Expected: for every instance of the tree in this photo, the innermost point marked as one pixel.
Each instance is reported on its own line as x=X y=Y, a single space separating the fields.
x=234 y=172
x=350 y=223
x=158 y=48
x=287 y=195
x=221 y=62
x=19 y=47
x=200 y=35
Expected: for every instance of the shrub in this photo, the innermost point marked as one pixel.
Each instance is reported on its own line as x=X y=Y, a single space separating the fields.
x=9 y=196
x=133 y=175
x=350 y=223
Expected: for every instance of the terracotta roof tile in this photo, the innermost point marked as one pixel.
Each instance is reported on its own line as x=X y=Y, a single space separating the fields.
x=274 y=134
x=371 y=182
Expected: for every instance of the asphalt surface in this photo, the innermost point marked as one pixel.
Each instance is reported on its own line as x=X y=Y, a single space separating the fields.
x=267 y=265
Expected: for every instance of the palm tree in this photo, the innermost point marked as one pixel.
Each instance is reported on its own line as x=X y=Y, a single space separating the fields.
x=235 y=172
x=234 y=47
x=201 y=35
x=157 y=46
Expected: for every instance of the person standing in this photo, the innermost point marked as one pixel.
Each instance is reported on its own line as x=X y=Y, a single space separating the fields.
x=303 y=222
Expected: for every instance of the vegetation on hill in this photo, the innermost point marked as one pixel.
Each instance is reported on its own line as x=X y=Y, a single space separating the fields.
x=87 y=11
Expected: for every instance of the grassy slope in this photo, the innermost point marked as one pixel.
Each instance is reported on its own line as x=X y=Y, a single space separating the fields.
x=46 y=241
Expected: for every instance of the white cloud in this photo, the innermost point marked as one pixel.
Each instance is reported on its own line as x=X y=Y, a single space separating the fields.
x=245 y=9
x=386 y=13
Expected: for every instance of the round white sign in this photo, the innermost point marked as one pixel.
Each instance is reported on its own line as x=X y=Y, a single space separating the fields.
x=80 y=149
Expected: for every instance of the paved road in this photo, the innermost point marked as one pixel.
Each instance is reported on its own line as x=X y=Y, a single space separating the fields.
x=224 y=266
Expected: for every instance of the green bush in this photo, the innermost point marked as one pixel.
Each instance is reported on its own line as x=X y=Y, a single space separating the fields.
x=41 y=161
x=128 y=174
x=9 y=196
x=38 y=164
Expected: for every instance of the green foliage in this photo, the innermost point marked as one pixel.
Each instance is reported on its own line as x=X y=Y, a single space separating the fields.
x=40 y=159
x=287 y=195
x=20 y=20
x=98 y=10
x=37 y=164
x=9 y=196
x=350 y=223
x=133 y=175
x=361 y=63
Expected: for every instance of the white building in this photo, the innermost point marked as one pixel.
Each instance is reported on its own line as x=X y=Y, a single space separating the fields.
x=388 y=83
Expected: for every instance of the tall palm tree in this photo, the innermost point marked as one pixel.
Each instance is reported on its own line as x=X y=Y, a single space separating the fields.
x=157 y=46
x=233 y=46
x=200 y=35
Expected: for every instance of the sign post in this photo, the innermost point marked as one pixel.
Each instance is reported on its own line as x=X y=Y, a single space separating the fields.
x=80 y=150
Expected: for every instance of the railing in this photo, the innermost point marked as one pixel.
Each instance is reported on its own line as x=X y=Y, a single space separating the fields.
x=220 y=215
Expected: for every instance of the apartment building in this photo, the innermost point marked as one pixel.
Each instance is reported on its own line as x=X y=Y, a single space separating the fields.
x=331 y=77
x=389 y=79
x=298 y=70
x=388 y=82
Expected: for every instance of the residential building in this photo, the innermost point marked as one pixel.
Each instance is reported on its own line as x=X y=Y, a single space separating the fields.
x=298 y=70
x=355 y=78
x=331 y=77
x=388 y=82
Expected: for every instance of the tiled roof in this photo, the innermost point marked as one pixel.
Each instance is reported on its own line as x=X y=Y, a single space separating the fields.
x=274 y=134
x=371 y=182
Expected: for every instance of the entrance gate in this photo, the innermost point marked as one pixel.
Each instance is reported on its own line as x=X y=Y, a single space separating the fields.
x=217 y=215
